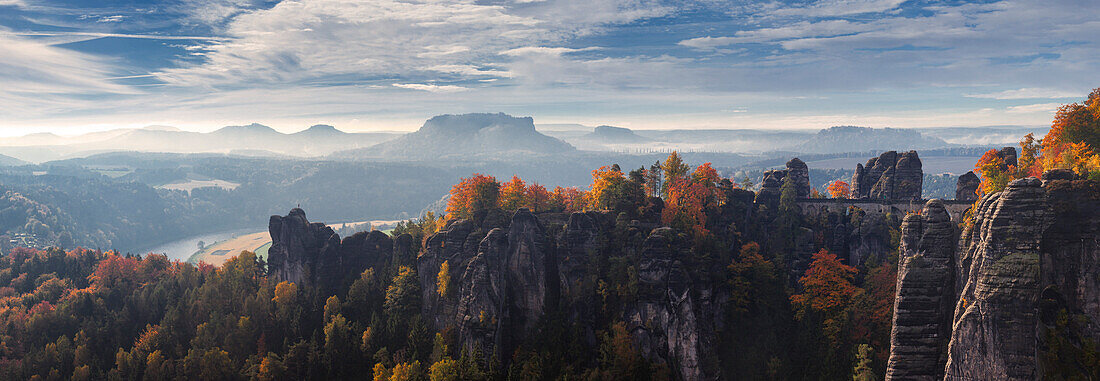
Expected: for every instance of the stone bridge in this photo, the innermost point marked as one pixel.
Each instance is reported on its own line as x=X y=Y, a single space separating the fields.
x=819 y=206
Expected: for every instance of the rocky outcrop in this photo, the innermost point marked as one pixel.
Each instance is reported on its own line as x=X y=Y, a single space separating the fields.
x=665 y=320
x=925 y=291
x=532 y=269
x=868 y=239
x=772 y=182
x=1008 y=154
x=506 y=278
x=1026 y=291
x=799 y=174
x=995 y=319
x=303 y=251
x=889 y=177
x=966 y=188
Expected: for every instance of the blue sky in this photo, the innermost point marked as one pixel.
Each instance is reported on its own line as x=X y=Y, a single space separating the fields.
x=70 y=66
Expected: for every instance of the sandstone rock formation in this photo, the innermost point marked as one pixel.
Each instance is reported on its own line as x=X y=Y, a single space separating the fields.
x=772 y=182
x=1026 y=290
x=966 y=189
x=506 y=278
x=889 y=177
x=925 y=290
x=995 y=319
x=301 y=250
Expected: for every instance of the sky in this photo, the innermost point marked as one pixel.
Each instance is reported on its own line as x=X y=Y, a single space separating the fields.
x=73 y=66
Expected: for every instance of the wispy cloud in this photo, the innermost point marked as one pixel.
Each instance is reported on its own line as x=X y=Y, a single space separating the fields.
x=117 y=35
x=431 y=88
x=1035 y=108
x=1029 y=93
x=832 y=8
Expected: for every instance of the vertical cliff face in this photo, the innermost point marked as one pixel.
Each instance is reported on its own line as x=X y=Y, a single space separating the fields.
x=891 y=176
x=994 y=335
x=508 y=278
x=532 y=269
x=301 y=250
x=1026 y=292
x=923 y=304
x=670 y=321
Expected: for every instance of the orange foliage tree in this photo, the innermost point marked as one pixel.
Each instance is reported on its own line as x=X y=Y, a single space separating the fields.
x=512 y=194
x=568 y=199
x=604 y=182
x=827 y=290
x=839 y=189
x=537 y=198
x=1073 y=141
x=995 y=174
x=688 y=200
x=827 y=286
x=476 y=193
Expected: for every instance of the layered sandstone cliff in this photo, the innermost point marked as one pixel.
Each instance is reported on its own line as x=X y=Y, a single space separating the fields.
x=1025 y=294
x=891 y=176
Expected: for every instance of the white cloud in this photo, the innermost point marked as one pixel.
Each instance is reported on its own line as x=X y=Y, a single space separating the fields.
x=542 y=50
x=431 y=88
x=40 y=79
x=1030 y=93
x=708 y=42
x=114 y=18
x=309 y=41
x=832 y=8
x=1046 y=108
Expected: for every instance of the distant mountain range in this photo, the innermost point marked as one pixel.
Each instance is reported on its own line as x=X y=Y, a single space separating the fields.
x=501 y=137
x=465 y=136
x=252 y=139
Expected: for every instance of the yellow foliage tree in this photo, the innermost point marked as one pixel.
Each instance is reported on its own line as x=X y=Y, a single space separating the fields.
x=443 y=280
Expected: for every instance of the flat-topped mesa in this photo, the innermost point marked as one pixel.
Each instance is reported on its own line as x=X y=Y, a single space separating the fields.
x=772 y=183
x=891 y=176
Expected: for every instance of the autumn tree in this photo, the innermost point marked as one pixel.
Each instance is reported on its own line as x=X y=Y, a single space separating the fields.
x=827 y=285
x=471 y=195
x=827 y=290
x=611 y=190
x=1073 y=141
x=690 y=198
x=1029 y=163
x=512 y=194
x=995 y=174
x=675 y=170
x=568 y=199
x=839 y=189
x=443 y=280
x=537 y=198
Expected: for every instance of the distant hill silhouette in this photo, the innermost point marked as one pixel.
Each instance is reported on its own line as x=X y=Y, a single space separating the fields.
x=610 y=134
x=464 y=136
x=254 y=138
x=852 y=139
